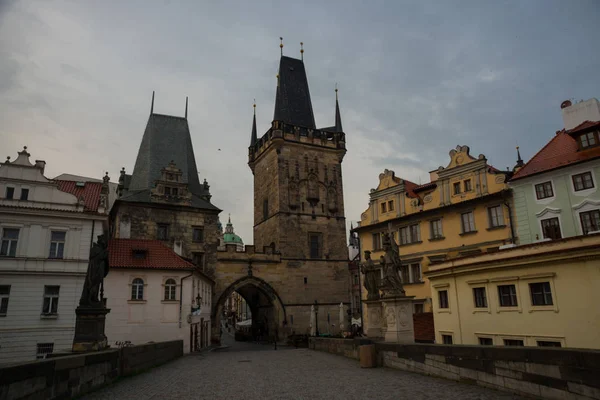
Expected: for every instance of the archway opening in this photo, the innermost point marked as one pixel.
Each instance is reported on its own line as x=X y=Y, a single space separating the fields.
x=249 y=310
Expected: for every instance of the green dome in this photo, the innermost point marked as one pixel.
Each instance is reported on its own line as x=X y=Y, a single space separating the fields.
x=232 y=238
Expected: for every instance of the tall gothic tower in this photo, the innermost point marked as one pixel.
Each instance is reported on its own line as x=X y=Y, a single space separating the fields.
x=298 y=193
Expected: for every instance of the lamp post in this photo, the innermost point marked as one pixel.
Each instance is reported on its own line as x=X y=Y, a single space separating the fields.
x=198 y=301
x=317 y=317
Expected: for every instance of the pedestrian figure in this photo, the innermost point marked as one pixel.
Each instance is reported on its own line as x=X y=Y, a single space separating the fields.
x=275 y=334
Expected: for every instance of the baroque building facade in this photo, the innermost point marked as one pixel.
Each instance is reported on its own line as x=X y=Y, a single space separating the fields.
x=47 y=227
x=556 y=192
x=300 y=255
x=465 y=209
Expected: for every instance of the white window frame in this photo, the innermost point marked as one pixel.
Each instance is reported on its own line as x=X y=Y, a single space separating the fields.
x=446 y=333
x=137 y=293
x=545 y=200
x=581 y=223
x=12 y=243
x=585 y=206
x=499 y=216
x=5 y=297
x=583 y=192
x=53 y=299
x=436 y=301
x=432 y=235
x=64 y=242
x=409 y=233
x=28 y=193
x=539 y=278
x=169 y=290
x=512 y=280
x=548 y=213
x=411 y=275
x=471 y=224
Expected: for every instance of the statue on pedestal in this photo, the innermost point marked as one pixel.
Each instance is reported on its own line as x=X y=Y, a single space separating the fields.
x=96 y=272
x=91 y=313
x=391 y=284
x=371 y=281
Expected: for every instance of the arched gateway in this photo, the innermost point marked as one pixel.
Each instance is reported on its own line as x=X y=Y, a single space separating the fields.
x=267 y=308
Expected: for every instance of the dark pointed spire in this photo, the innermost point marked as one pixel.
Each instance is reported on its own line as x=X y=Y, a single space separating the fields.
x=186 y=104
x=520 y=162
x=302 y=51
x=338 y=117
x=152 y=104
x=292 y=100
x=281 y=45
x=253 y=136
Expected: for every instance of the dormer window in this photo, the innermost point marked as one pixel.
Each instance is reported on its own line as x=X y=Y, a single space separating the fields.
x=171 y=191
x=10 y=193
x=139 y=254
x=589 y=139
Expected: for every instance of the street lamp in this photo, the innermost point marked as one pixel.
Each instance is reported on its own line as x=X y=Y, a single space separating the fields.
x=317 y=317
x=198 y=301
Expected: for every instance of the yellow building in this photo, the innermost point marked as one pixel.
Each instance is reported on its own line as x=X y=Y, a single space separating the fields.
x=540 y=294
x=464 y=210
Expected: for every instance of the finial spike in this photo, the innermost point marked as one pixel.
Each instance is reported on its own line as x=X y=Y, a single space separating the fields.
x=254 y=106
x=186 y=106
x=302 y=51
x=281 y=45
x=336 y=92
x=152 y=104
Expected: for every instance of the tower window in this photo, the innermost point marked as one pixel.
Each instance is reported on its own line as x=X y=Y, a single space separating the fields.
x=315 y=242
x=266 y=209
x=162 y=231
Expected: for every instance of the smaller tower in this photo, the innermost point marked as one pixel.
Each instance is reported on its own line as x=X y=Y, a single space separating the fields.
x=519 y=163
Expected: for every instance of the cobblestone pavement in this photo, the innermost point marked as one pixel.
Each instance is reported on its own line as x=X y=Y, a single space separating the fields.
x=260 y=372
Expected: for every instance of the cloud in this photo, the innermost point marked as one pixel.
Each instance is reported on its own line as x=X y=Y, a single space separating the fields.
x=416 y=79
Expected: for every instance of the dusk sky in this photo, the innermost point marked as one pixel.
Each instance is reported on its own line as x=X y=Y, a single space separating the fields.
x=415 y=80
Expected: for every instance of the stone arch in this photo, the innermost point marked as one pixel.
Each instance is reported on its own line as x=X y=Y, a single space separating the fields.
x=255 y=290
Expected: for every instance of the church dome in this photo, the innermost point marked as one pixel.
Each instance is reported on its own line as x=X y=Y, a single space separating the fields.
x=231 y=238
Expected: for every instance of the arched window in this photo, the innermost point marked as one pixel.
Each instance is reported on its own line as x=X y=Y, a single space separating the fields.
x=137 y=289
x=170 y=287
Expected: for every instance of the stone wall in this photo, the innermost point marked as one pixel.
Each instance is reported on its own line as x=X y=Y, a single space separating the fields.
x=143 y=221
x=550 y=373
x=70 y=376
x=343 y=347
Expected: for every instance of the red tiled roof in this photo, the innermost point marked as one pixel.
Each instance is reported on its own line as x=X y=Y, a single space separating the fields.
x=425 y=186
x=410 y=188
x=158 y=256
x=90 y=192
x=559 y=152
x=584 y=125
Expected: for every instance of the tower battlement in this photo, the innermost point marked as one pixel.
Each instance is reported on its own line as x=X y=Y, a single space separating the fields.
x=296 y=134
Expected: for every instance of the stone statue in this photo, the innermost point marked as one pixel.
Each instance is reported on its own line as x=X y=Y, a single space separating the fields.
x=96 y=272
x=371 y=281
x=390 y=263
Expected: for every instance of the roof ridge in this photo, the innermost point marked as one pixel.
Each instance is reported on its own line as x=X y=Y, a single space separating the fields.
x=559 y=134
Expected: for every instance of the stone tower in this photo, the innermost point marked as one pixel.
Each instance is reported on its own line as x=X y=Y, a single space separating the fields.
x=298 y=193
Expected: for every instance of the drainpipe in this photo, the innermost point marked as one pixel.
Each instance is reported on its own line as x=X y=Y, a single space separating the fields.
x=362 y=321
x=181 y=296
x=510 y=220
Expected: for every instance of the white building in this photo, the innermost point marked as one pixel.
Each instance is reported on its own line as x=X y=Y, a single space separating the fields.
x=154 y=295
x=46 y=227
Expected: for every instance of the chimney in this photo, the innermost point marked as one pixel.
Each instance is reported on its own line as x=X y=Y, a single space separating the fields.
x=41 y=164
x=575 y=114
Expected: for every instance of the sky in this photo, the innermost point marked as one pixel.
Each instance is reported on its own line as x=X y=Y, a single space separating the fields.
x=415 y=79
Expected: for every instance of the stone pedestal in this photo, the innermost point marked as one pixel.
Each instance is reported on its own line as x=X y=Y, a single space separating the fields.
x=374 y=321
x=398 y=317
x=89 y=329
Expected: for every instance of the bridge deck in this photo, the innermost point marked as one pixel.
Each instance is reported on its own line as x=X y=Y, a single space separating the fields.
x=255 y=371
